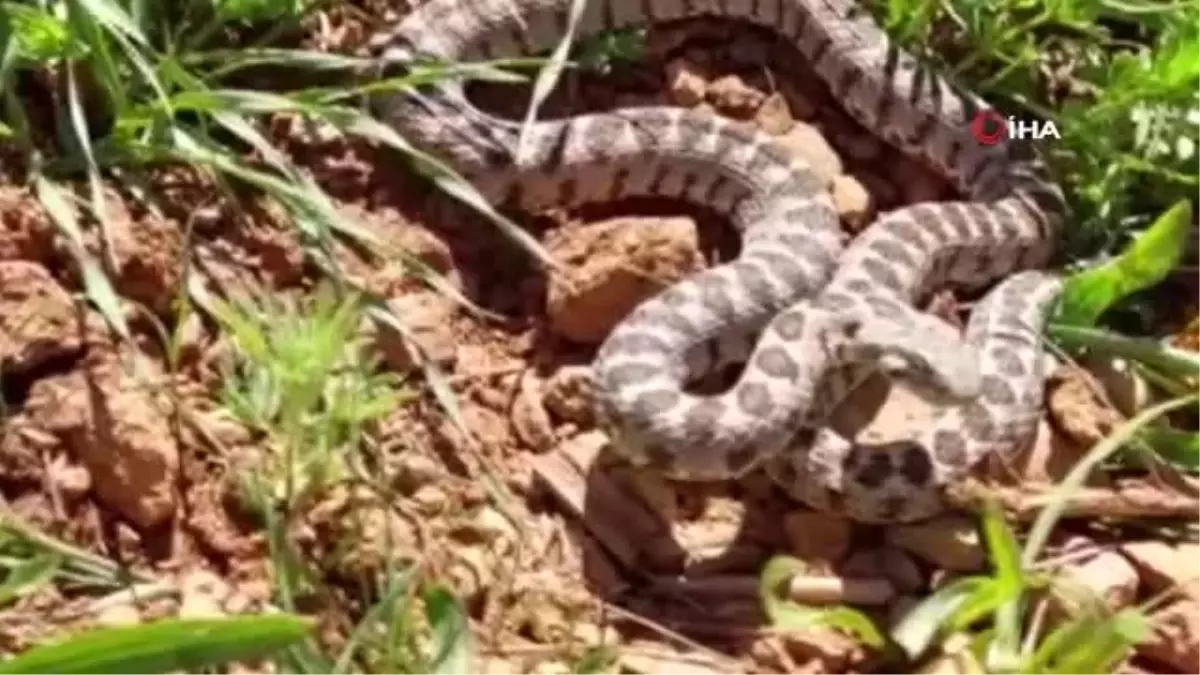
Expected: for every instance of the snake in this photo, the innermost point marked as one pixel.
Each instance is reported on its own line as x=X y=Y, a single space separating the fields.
x=807 y=315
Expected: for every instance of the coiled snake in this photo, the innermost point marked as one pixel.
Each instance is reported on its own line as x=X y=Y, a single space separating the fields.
x=823 y=316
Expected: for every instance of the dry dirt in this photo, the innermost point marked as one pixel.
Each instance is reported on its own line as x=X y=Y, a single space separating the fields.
x=568 y=550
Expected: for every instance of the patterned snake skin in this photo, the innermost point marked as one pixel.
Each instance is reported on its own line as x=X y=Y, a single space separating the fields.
x=822 y=317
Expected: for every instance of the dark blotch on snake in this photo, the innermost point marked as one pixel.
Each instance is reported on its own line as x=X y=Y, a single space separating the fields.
x=837 y=302
x=755 y=399
x=977 y=422
x=774 y=361
x=949 y=448
x=857 y=285
x=789 y=325
x=705 y=415
x=871 y=469
x=755 y=283
x=915 y=465
x=996 y=391
x=880 y=271
x=958 y=224
x=1008 y=362
x=783 y=266
x=635 y=343
x=630 y=374
x=658 y=401
x=886 y=307
x=894 y=251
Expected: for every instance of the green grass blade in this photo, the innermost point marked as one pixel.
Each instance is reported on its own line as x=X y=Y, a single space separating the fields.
x=549 y=75
x=163 y=646
x=1039 y=533
x=451 y=634
x=1145 y=262
x=790 y=615
x=96 y=285
x=29 y=575
x=1181 y=448
x=922 y=624
x=1153 y=353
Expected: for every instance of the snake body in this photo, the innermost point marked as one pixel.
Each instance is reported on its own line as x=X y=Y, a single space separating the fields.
x=815 y=308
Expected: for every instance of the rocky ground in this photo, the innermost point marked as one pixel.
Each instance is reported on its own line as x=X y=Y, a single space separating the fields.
x=551 y=548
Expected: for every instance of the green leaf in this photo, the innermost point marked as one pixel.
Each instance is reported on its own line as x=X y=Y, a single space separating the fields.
x=1151 y=256
x=917 y=630
x=1181 y=448
x=28 y=576
x=451 y=634
x=163 y=646
x=39 y=35
x=790 y=615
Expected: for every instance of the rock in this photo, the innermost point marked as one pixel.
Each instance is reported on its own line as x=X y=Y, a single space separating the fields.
x=1077 y=409
x=26 y=230
x=774 y=116
x=853 y=202
x=948 y=541
x=685 y=81
x=427 y=315
x=620 y=263
x=37 y=318
x=731 y=95
x=530 y=421
x=1164 y=565
x=569 y=394
x=807 y=143
x=110 y=422
x=1046 y=461
x=816 y=536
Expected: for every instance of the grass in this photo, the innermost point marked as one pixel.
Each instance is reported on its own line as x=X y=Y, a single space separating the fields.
x=97 y=92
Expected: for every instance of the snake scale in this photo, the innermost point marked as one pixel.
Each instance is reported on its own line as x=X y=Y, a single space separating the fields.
x=822 y=314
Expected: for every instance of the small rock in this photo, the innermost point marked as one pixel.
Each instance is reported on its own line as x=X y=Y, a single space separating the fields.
x=687 y=85
x=1163 y=565
x=1046 y=461
x=1076 y=407
x=529 y=418
x=414 y=469
x=816 y=536
x=852 y=201
x=431 y=499
x=733 y=96
x=37 y=317
x=110 y=422
x=201 y=596
x=807 y=143
x=773 y=115
x=1109 y=575
x=949 y=541
x=620 y=263
x=427 y=316
x=491 y=525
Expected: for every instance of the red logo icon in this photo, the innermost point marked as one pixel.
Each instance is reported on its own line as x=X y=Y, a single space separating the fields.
x=988 y=127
